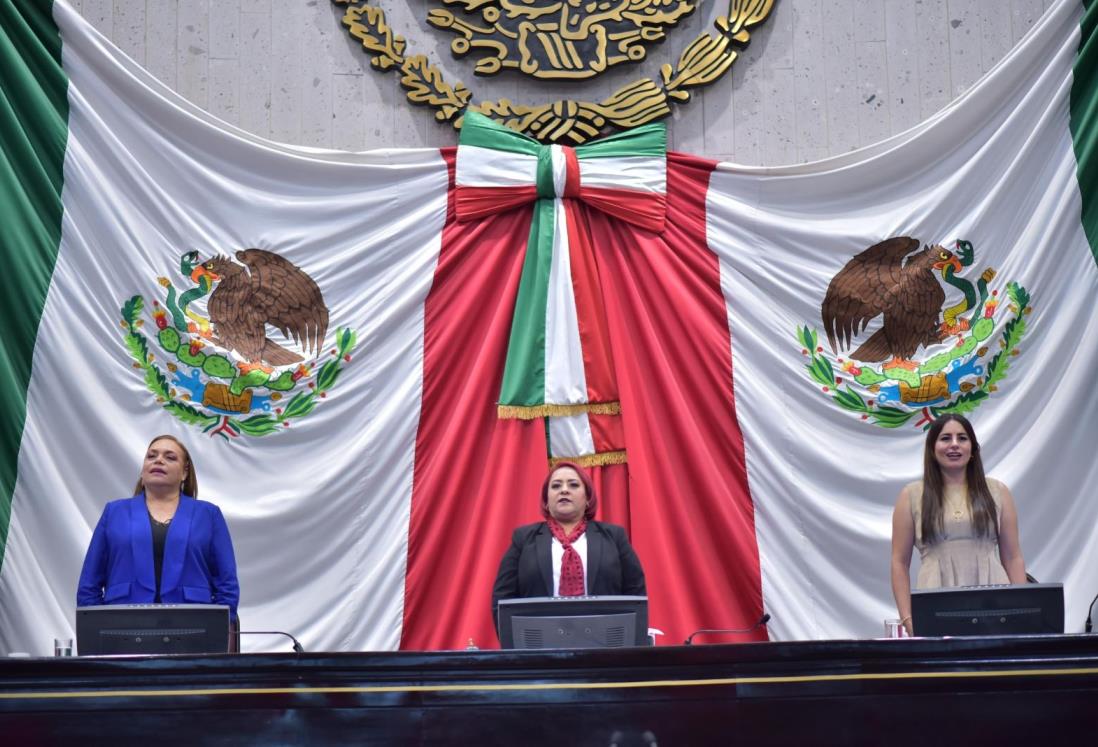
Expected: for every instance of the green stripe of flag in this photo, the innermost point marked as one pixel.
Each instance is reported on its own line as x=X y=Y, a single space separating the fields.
x=1084 y=120
x=479 y=130
x=34 y=114
x=646 y=140
x=544 y=179
x=524 y=372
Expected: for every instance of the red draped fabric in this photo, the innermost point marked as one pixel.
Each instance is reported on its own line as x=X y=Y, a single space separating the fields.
x=682 y=496
x=692 y=519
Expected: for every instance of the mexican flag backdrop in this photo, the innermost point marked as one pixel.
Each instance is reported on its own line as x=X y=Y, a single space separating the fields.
x=722 y=345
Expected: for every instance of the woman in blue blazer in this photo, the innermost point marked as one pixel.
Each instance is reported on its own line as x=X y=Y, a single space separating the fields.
x=162 y=545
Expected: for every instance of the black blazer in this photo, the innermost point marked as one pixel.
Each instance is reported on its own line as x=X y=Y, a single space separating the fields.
x=526 y=569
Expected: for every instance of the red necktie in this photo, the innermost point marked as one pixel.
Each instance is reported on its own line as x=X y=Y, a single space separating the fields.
x=571 y=567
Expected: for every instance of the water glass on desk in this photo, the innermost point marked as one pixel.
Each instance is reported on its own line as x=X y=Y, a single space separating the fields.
x=894 y=628
x=62 y=647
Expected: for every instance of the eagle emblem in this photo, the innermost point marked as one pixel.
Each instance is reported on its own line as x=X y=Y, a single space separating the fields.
x=924 y=356
x=556 y=39
x=216 y=326
x=264 y=289
x=560 y=40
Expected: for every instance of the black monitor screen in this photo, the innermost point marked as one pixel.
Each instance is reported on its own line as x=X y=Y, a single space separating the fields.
x=573 y=622
x=1017 y=609
x=152 y=629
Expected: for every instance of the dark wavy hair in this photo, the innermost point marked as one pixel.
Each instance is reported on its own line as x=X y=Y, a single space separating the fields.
x=190 y=478
x=984 y=516
x=592 y=500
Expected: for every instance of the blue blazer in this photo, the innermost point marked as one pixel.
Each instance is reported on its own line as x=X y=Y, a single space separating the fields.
x=199 y=566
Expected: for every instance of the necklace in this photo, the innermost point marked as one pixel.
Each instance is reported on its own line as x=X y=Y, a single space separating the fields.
x=157 y=519
x=955 y=504
x=162 y=506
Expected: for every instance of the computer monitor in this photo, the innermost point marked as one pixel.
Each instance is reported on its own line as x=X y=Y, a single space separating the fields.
x=152 y=629
x=1017 y=609
x=573 y=622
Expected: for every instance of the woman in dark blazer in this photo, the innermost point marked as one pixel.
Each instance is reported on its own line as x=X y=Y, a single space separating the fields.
x=162 y=545
x=568 y=554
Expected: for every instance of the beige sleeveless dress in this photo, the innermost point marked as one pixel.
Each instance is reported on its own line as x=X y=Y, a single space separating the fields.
x=958 y=557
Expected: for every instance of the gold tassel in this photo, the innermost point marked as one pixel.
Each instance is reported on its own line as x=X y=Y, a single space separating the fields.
x=592 y=460
x=531 y=412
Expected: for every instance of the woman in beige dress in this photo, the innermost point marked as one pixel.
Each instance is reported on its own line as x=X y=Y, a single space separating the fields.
x=964 y=523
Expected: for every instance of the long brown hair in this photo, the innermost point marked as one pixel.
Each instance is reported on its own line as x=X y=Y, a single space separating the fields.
x=985 y=518
x=190 y=478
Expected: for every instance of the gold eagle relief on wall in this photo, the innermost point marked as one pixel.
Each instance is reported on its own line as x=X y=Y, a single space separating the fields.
x=559 y=40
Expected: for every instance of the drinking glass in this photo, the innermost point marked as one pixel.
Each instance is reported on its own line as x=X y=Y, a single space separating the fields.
x=894 y=628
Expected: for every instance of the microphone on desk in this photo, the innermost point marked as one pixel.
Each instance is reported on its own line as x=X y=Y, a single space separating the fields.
x=297 y=645
x=730 y=631
x=1088 y=626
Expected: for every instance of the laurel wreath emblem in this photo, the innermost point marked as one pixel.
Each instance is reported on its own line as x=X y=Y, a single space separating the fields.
x=568 y=121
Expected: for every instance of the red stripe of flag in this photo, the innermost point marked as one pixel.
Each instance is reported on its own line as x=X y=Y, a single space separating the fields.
x=692 y=517
x=475 y=477
x=606 y=432
x=481 y=202
x=598 y=361
x=645 y=209
x=572 y=173
x=683 y=495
